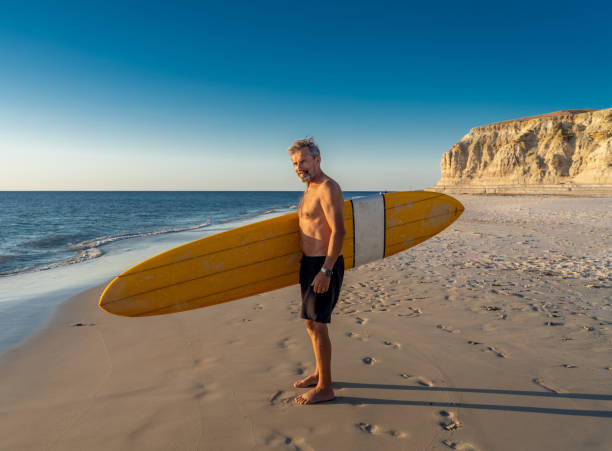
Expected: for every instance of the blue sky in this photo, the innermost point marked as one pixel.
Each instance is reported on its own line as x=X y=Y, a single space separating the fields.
x=202 y=95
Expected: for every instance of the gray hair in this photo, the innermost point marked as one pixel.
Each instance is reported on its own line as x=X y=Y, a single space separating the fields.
x=306 y=143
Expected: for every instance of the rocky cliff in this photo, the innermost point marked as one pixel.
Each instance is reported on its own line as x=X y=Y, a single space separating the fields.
x=566 y=147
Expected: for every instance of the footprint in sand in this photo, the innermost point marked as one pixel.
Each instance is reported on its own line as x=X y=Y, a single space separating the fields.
x=374 y=429
x=83 y=324
x=199 y=391
x=413 y=312
x=359 y=320
x=602 y=322
x=356 y=336
x=418 y=379
x=449 y=421
x=449 y=329
x=569 y=365
x=547 y=386
x=258 y=307
x=286 y=343
x=460 y=446
x=499 y=353
x=277 y=440
x=392 y=345
x=368 y=360
x=281 y=399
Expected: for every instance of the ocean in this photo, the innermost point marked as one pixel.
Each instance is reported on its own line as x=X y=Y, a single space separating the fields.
x=54 y=244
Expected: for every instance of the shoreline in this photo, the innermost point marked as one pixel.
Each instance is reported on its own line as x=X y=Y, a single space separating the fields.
x=34 y=295
x=565 y=189
x=495 y=334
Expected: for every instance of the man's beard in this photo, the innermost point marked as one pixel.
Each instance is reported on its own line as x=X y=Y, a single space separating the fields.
x=305 y=177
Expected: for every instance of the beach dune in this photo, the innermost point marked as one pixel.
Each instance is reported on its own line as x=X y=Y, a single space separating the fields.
x=493 y=335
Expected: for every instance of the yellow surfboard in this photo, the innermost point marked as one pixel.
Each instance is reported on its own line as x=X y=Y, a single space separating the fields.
x=265 y=255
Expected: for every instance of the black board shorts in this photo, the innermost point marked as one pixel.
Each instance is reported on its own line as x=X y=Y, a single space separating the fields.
x=318 y=306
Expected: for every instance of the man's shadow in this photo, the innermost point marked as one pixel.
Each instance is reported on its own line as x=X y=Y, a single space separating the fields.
x=353 y=400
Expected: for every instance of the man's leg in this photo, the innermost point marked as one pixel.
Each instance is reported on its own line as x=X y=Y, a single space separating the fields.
x=322 y=349
x=309 y=381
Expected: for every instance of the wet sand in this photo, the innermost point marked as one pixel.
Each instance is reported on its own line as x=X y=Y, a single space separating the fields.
x=493 y=335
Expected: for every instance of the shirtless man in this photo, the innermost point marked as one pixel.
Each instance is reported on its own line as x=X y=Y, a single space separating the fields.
x=321 y=225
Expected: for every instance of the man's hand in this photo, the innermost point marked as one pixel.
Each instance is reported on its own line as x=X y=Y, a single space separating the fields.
x=320 y=284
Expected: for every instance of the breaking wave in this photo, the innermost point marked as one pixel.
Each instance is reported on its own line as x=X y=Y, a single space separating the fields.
x=88 y=249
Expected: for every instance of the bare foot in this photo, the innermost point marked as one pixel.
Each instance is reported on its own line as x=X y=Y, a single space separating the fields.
x=309 y=381
x=315 y=395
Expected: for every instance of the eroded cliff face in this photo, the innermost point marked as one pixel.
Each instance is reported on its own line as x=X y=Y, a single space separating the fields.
x=572 y=146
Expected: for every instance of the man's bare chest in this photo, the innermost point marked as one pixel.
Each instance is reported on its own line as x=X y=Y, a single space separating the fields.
x=310 y=207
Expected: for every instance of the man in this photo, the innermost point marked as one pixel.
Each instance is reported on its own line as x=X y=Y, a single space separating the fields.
x=321 y=226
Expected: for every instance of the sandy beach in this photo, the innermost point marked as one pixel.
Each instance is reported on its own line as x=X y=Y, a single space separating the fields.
x=493 y=335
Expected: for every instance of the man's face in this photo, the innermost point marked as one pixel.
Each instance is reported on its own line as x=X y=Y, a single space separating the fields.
x=305 y=165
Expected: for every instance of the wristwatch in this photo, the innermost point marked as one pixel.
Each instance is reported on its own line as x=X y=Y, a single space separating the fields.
x=326 y=271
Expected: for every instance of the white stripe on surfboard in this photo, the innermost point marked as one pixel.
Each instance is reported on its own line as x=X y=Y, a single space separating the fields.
x=369 y=220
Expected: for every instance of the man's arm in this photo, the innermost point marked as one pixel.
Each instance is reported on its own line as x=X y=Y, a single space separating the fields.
x=332 y=203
